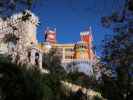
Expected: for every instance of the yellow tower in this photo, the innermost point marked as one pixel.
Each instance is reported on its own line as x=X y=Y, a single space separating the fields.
x=81 y=50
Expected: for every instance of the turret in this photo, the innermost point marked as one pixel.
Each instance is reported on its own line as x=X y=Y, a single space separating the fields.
x=81 y=50
x=50 y=35
x=86 y=38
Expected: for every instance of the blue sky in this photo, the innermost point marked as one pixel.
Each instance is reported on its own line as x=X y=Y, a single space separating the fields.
x=70 y=17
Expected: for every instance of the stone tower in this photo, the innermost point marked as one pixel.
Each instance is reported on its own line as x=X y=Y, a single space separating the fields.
x=20 y=30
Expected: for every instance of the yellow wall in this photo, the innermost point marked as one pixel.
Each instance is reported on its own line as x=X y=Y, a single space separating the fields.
x=81 y=51
x=69 y=52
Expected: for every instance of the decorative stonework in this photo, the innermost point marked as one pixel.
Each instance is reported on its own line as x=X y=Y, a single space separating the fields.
x=19 y=33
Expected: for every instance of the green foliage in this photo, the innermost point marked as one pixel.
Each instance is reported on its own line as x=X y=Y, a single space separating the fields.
x=8 y=7
x=97 y=98
x=18 y=83
x=118 y=57
x=130 y=5
x=29 y=2
x=81 y=79
x=52 y=62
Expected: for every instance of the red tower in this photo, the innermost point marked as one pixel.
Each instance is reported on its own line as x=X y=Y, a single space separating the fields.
x=50 y=36
x=86 y=37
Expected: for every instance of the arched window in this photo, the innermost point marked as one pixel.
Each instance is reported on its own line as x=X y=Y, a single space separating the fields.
x=29 y=55
x=36 y=58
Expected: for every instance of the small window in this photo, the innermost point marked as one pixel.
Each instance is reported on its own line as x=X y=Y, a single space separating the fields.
x=29 y=55
x=36 y=58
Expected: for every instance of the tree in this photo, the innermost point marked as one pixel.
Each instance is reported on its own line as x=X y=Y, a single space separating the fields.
x=7 y=7
x=18 y=82
x=22 y=82
x=81 y=79
x=118 y=55
x=52 y=61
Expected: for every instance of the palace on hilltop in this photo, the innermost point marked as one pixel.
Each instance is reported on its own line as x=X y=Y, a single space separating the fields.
x=25 y=48
x=79 y=55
